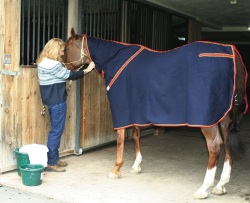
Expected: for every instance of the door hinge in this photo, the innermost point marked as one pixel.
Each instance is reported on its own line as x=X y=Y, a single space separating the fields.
x=10 y=72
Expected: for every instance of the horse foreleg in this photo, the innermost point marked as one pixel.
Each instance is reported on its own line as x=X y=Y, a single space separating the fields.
x=115 y=173
x=136 y=135
x=220 y=189
x=214 y=142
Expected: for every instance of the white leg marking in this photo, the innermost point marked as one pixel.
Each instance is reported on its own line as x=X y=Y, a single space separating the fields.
x=201 y=193
x=111 y=175
x=136 y=167
x=224 y=179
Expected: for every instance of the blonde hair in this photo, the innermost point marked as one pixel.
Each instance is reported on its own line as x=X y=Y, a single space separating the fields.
x=51 y=50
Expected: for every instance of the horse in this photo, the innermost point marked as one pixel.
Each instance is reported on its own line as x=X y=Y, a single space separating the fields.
x=113 y=61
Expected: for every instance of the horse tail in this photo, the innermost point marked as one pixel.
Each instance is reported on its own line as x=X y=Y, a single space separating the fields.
x=240 y=106
x=235 y=143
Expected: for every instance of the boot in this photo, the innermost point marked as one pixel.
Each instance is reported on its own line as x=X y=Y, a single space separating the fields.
x=61 y=163
x=55 y=168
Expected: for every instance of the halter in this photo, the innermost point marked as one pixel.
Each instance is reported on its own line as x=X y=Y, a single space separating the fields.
x=81 y=56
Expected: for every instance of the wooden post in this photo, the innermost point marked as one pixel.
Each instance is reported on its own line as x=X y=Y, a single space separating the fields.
x=10 y=45
x=194 y=30
x=74 y=93
x=73 y=16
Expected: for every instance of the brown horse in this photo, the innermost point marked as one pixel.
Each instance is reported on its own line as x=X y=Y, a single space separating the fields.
x=224 y=132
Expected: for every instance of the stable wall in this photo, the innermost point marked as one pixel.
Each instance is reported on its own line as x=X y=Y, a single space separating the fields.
x=21 y=122
x=88 y=122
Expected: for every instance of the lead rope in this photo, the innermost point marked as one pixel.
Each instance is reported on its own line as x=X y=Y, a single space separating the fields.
x=236 y=102
x=43 y=111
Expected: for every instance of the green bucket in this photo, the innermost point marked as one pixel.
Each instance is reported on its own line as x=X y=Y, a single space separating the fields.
x=32 y=174
x=22 y=159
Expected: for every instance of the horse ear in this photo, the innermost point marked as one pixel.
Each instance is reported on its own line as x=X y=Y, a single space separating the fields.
x=73 y=34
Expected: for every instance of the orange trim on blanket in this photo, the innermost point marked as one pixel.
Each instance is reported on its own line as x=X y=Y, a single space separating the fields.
x=86 y=45
x=123 y=67
x=170 y=125
x=216 y=55
x=88 y=54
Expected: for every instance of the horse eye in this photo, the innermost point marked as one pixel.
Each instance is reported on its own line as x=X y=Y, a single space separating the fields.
x=65 y=50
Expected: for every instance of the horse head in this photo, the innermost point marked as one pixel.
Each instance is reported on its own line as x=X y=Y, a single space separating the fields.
x=74 y=52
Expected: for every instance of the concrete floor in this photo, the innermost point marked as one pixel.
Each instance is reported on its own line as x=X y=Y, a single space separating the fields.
x=173 y=168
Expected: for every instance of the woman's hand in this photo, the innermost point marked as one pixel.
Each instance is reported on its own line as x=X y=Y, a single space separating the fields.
x=90 y=67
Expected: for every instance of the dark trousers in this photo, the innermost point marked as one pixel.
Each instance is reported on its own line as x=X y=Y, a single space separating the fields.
x=57 y=119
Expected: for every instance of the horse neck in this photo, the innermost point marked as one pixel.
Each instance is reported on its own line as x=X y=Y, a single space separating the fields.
x=102 y=51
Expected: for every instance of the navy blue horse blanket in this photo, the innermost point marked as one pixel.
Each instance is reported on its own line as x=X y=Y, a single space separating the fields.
x=192 y=85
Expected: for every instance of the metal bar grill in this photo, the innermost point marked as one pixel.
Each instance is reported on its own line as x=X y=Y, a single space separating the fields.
x=38 y=27
x=44 y=20
x=28 y=33
x=22 y=34
x=41 y=20
x=33 y=27
x=54 y=18
x=49 y=19
x=154 y=27
x=100 y=18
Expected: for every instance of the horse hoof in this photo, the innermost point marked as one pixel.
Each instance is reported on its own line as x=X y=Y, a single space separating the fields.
x=219 y=191
x=135 y=170
x=200 y=194
x=112 y=175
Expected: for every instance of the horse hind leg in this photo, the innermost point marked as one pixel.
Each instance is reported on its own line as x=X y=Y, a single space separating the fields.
x=214 y=141
x=136 y=135
x=220 y=189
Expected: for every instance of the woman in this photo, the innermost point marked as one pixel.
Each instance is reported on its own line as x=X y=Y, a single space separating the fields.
x=52 y=80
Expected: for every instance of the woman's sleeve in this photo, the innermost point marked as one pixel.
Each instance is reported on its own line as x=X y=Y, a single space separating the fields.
x=60 y=71
x=75 y=75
